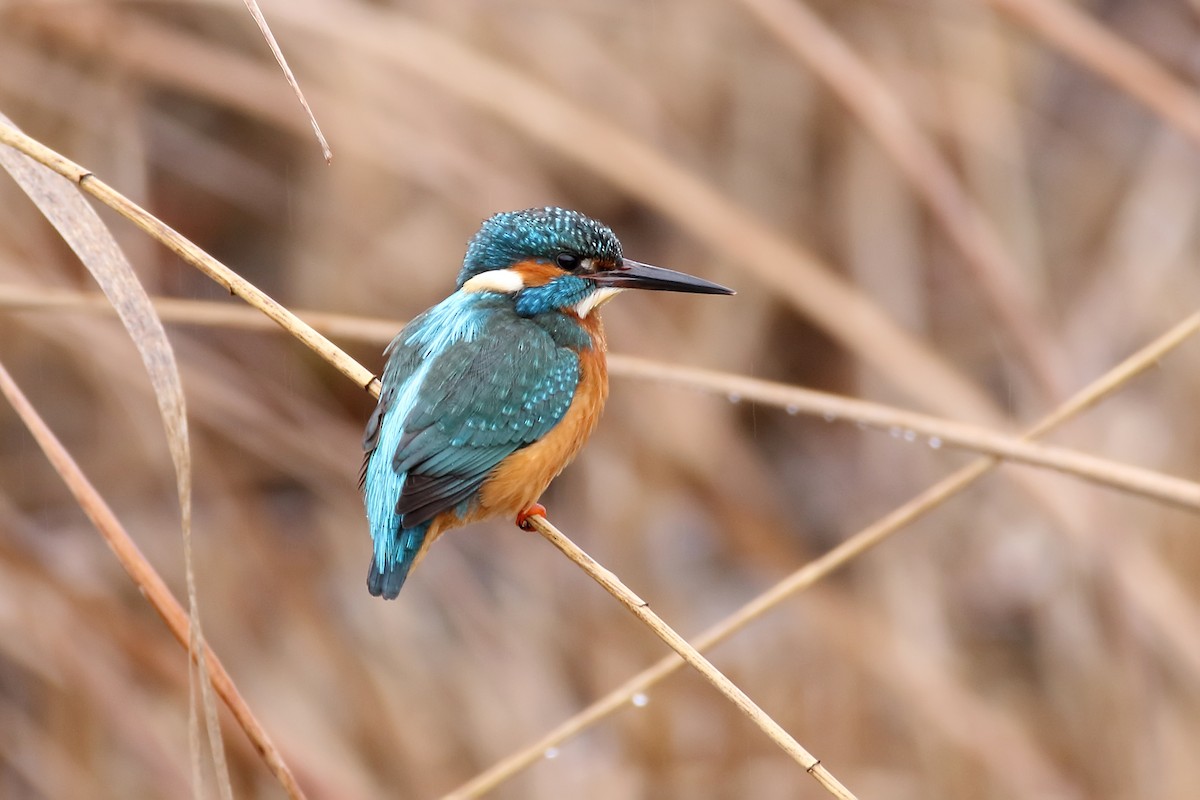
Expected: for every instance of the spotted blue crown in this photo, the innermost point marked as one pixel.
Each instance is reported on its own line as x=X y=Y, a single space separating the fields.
x=538 y=233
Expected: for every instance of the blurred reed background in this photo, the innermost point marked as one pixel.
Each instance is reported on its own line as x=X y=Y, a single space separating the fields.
x=1033 y=637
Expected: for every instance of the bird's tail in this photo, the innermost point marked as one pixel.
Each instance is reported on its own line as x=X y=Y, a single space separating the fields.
x=390 y=565
x=386 y=583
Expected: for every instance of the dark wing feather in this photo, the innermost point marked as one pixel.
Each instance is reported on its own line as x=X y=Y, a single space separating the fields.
x=424 y=497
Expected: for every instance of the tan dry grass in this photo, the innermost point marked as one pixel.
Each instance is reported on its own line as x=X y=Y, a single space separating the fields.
x=56 y=167
x=1062 y=629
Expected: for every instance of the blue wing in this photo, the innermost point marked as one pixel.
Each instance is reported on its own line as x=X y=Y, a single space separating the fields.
x=466 y=384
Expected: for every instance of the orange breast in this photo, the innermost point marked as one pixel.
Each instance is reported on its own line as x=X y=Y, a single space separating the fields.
x=521 y=478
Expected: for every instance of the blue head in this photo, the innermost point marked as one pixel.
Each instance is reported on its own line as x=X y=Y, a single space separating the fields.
x=553 y=259
x=539 y=234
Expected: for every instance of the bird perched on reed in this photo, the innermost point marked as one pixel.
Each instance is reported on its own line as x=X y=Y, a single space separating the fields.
x=489 y=394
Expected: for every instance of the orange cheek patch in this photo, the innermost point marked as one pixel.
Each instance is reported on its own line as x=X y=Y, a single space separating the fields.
x=535 y=273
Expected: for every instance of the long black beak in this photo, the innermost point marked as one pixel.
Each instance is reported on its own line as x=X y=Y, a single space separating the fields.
x=636 y=275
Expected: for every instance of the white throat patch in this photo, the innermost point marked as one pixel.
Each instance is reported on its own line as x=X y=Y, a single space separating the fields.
x=504 y=281
x=595 y=300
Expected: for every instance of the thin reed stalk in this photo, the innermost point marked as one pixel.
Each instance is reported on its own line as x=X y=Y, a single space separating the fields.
x=907 y=425
x=819 y=568
x=336 y=357
x=148 y=581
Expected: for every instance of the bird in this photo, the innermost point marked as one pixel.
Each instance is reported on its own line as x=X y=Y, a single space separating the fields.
x=486 y=396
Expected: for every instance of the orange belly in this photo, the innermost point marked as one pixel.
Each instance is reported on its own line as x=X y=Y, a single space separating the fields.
x=519 y=480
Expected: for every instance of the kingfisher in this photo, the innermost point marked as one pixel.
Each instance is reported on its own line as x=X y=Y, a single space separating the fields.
x=489 y=394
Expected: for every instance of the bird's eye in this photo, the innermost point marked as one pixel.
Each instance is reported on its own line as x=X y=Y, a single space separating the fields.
x=568 y=261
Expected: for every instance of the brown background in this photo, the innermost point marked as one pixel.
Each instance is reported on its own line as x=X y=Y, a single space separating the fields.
x=1033 y=637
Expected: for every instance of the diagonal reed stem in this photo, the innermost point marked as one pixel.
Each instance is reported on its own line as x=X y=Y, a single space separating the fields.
x=352 y=369
x=798 y=581
x=641 y=609
x=190 y=253
x=147 y=579
x=937 y=432
x=821 y=567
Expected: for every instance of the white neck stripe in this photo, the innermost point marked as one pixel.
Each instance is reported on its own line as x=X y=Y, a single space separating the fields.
x=595 y=300
x=504 y=281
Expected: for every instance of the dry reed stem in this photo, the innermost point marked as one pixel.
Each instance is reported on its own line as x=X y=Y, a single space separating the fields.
x=695 y=205
x=819 y=568
x=1097 y=341
x=804 y=577
x=908 y=425
x=348 y=366
x=182 y=311
x=1107 y=55
x=164 y=56
x=148 y=581
x=641 y=609
x=76 y=221
x=862 y=91
x=190 y=253
x=808 y=284
x=265 y=29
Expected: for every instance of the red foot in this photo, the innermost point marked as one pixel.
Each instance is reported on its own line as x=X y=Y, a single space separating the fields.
x=535 y=510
